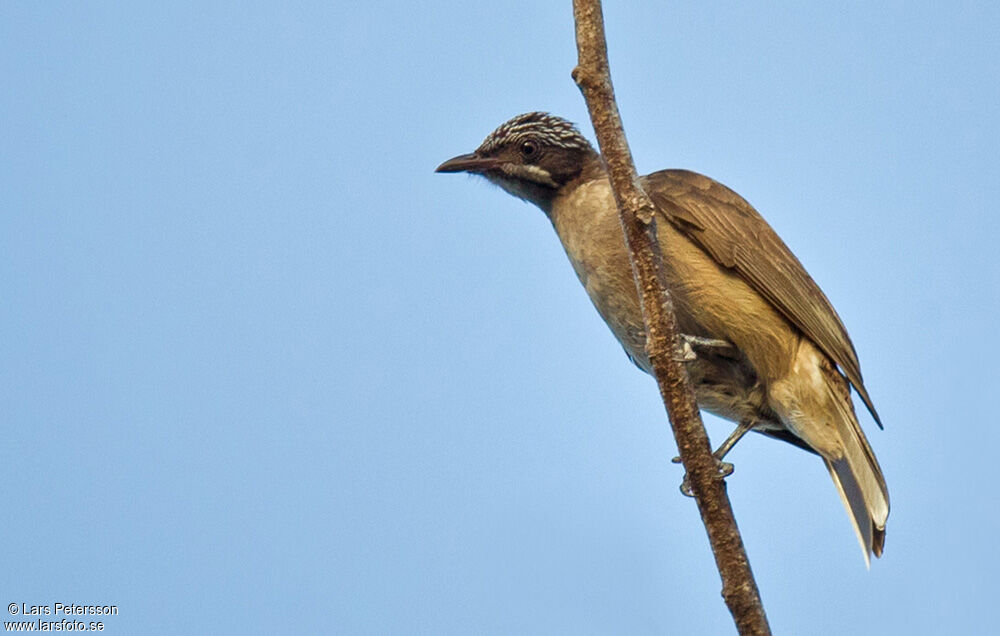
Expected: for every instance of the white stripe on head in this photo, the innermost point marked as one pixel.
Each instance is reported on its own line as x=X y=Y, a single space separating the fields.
x=543 y=127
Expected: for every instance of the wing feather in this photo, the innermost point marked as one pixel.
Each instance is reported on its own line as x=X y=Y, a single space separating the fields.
x=723 y=224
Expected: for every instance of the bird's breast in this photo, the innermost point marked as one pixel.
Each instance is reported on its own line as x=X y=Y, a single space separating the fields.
x=587 y=224
x=709 y=300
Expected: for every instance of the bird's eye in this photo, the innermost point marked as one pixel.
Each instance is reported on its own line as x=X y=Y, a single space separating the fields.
x=528 y=149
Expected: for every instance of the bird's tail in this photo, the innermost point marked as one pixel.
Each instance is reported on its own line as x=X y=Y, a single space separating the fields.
x=859 y=480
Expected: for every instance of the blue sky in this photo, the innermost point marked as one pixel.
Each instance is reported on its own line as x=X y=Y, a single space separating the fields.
x=263 y=371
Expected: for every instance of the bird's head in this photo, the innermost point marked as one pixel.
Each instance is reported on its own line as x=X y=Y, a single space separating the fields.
x=532 y=156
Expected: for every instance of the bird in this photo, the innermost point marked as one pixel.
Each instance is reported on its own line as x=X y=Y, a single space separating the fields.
x=766 y=348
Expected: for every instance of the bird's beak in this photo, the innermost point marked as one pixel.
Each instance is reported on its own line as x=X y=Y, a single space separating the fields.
x=468 y=163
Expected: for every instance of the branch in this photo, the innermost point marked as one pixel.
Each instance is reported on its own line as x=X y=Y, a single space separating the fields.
x=637 y=216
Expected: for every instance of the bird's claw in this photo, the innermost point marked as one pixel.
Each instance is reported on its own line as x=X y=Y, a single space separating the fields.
x=725 y=470
x=684 y=352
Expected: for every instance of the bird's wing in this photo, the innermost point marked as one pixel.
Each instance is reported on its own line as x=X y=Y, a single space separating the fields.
x=723 y=224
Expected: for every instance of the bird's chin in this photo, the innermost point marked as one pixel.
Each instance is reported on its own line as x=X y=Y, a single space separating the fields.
x=527 y=191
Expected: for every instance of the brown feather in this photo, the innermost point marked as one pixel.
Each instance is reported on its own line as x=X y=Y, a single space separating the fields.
x=735 y=235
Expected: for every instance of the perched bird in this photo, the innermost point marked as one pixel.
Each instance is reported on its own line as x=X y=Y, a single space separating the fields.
x=770 y=352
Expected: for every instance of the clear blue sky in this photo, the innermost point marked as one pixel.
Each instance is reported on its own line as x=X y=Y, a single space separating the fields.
x=263 y=371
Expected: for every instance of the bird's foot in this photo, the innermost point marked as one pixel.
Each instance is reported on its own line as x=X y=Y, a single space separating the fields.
x=688 y=346
x=725 y=470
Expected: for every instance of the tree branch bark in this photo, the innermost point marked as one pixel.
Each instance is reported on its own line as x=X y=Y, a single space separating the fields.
x=638 y=220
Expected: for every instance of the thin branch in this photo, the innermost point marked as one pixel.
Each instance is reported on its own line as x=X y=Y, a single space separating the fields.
x=637 y=216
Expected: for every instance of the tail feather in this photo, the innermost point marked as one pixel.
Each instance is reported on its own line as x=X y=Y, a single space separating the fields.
x=859 y=481
x=813 y=402
x=870 y=536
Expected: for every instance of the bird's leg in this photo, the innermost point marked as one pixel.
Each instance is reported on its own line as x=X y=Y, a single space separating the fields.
x=742 y=429
x=686 y=348
x=725 y=468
